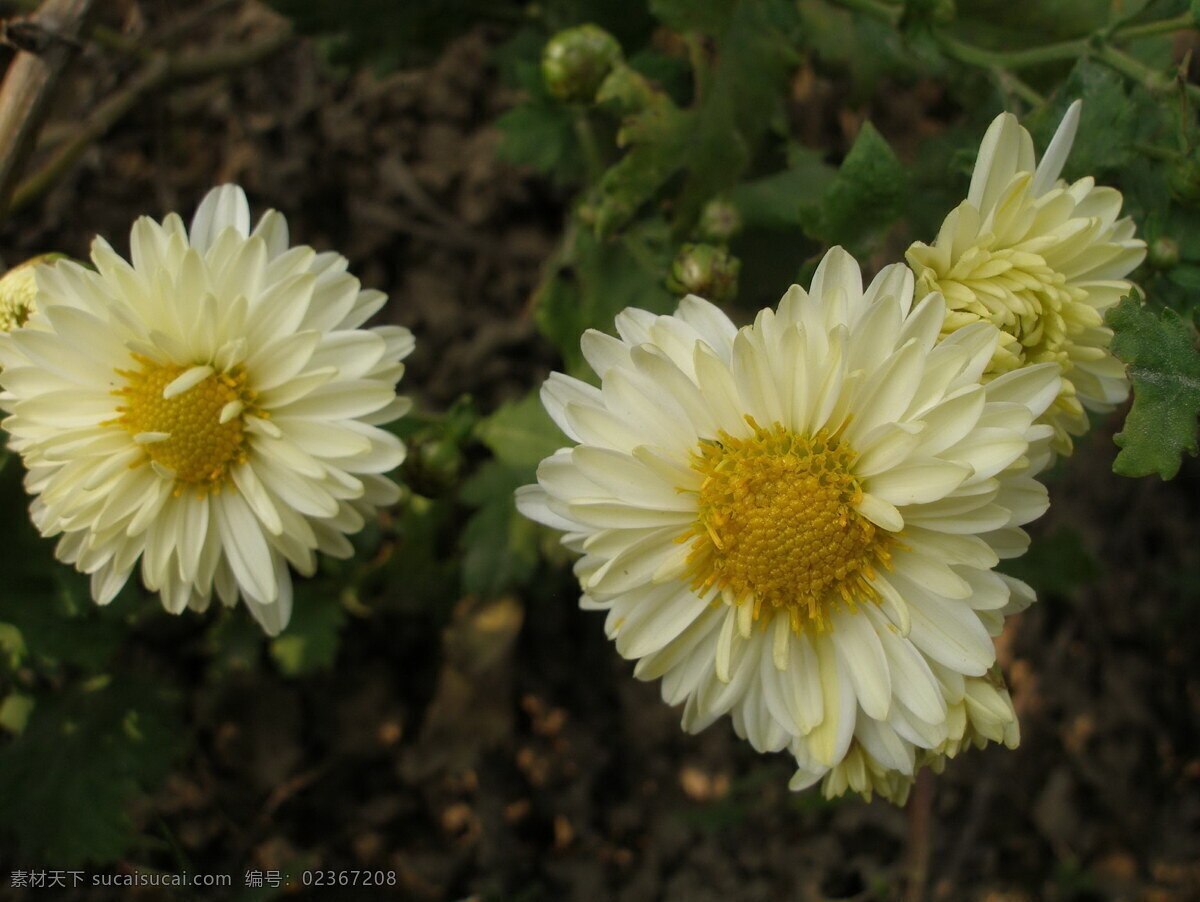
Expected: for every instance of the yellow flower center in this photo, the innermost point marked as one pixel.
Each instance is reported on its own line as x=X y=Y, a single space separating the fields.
x=188 y=419
x=777 y=526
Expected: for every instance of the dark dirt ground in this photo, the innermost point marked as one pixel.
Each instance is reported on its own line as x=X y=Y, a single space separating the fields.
x=513 y=757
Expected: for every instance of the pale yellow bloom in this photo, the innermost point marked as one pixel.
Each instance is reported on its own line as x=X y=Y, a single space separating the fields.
x=1042 y=260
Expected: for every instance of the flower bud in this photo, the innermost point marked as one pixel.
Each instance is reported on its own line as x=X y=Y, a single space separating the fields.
x=719 y=222
x=711 y=272
x=577 y=60
x=1183 y=180
x=18 y=292
x=433 y=464
x=1164 y=253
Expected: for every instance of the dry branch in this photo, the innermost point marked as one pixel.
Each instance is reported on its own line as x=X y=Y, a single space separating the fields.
x=29 y=85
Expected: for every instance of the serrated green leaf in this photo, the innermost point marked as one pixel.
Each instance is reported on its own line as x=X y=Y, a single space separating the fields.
x=1113 y=119
x=313 y=635
x=499 y=545
x=83 y=756
x=865 y=197
x=521 y=433
x=1164 y=367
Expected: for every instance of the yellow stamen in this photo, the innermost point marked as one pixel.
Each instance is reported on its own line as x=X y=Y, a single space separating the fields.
x=777 y=528
x=187 y=419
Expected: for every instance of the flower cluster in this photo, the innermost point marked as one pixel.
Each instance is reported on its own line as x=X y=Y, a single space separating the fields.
x=796 y=523
x=209 y=409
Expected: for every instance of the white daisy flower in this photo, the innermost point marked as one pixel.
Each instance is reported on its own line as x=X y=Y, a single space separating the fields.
x=795 y=523
x=210 y=409
x=1042 y=260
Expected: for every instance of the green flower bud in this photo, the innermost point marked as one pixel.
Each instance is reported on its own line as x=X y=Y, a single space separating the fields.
x=1183 y=180
x=18 y=292
x=1163 y=253
x=577 y=60
x=719 y=222
x=711 y=272
x=433 y=464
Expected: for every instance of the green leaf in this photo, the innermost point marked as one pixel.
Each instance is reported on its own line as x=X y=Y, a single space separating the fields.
x=521 y=433
x=692 y=15
x=755 y=54
x=1165 y=370
x=1113 y=119
x=313 y=635
x=775 y=201
x=541 y=135
x=84 y=755
x=602 y=279
x=1186 y=276
x=499 y=545
x=48 y=603
x=865 y=197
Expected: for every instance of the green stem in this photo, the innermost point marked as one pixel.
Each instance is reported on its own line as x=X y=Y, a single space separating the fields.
x=1155 y=152
x=1035 y=56
x=1021 y=88
x=1153 y=80
x=698 y=60
x=1010 y=59
x=1151 y=29
x=875 y=8
x=593 y=160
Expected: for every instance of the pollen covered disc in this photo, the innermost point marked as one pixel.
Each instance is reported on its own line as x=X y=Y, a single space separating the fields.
x=198 y=448
x=777 y=525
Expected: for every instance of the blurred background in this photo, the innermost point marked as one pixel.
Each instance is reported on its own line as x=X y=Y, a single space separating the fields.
x=439 y=707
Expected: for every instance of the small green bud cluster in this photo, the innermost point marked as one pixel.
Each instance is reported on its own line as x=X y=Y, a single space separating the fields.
x=706 y=270
x=576 y=62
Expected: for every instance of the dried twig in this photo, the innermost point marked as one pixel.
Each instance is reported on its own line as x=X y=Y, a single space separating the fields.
x=29 y=85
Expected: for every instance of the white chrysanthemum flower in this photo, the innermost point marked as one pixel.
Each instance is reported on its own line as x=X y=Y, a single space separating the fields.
x=795 y=523
x=1042 y=260
x=211 y=409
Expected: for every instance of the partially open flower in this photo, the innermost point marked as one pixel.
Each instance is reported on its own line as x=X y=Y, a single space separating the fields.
x=1040 y=259
x=209 y=409
x=795 y=523
x=18 y=291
